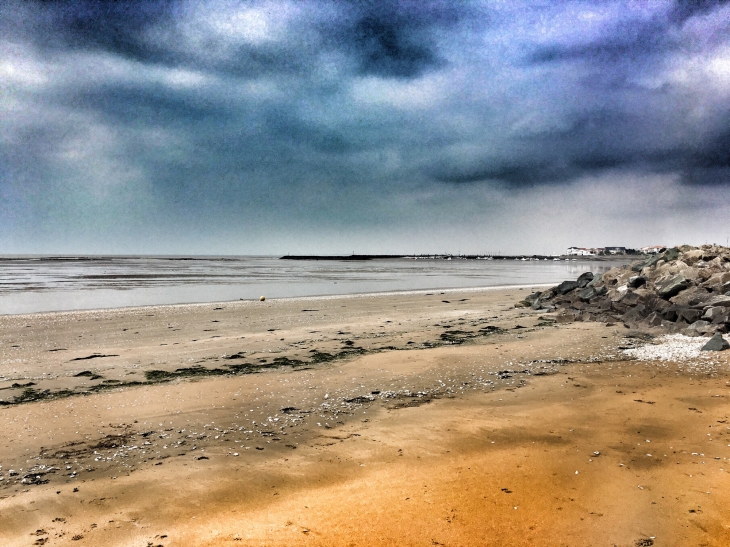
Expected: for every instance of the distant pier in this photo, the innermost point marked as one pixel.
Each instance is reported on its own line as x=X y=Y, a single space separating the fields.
x=362 y=257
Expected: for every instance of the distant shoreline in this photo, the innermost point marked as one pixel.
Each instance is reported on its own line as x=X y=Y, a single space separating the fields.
x=356 y=257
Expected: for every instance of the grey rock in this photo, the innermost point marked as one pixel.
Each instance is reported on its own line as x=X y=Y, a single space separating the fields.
x=657 y=304
x=719 y=300
x=716 y=343
x=548 y=294
x=566 y=286
x=584 y=279
x=699 y=328
x=711 y=314
x=667 y=256
x=638 y=266
x=693 y=296
x=670 y=314
x=636 y=281
x=586 y=294
x=672 y=286
x=722 y=317
x=690 y=315
x=654 y=320
x=636 y=314
x=630 y=298
x=671 y=254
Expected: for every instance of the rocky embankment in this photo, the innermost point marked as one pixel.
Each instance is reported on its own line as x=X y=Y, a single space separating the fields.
x=682 y=290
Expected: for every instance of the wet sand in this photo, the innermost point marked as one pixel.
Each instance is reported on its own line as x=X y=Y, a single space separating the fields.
x=421 y=419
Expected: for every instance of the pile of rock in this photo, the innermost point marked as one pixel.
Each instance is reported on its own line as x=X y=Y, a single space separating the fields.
x=682 y=290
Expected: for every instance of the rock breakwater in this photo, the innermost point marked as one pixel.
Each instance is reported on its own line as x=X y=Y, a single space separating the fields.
x=683 y=290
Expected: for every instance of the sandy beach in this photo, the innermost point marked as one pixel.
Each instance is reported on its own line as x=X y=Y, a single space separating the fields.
x=426 y=418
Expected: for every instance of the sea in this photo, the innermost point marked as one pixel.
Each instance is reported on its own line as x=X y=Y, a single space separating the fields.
x=30 y=284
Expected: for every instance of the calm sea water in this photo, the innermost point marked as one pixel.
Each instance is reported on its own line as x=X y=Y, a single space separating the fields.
x=36 y=284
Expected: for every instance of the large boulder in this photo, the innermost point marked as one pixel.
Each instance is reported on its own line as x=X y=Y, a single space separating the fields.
x=699 y=328
x=690 y=314
x=657 y=304
x=693 y=256
x=716 y=343
x=566 y=286
x=654 y=320
x=632 y=298
x=612 y=276
x=584 y=279
x=693 y=296
x=671 y=286
x=717 y=314
x=719 y=300
x=586 y=294
x=671 y=313
x=671 y=254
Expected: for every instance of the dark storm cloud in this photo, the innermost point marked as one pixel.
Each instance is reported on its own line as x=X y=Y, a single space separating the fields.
x=383 y=38
x=684 y=9
x=328 y=113
x=117 y=27
x=395 y=39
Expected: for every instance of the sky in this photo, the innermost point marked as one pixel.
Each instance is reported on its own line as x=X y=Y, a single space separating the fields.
x=305 y=127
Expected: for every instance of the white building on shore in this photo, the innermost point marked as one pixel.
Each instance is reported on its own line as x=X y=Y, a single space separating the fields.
x=581 y=251
x=594 y=251
x=654 y=249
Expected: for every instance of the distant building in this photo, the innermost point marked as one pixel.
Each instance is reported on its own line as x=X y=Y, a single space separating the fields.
x=580 y=251
x=593 y=251
x=653 y=249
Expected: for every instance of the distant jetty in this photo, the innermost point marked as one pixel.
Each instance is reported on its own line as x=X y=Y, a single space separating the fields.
x=359 y=257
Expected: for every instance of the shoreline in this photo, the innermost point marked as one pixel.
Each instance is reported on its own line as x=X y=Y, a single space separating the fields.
x=282 y=299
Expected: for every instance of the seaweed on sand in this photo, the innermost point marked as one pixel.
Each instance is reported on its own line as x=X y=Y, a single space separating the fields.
x=456 y=337
x=323 y=357
x=165 y=375
x=29 y=395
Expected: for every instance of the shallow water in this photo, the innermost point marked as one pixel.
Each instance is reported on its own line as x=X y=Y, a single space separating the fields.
x=37 y=284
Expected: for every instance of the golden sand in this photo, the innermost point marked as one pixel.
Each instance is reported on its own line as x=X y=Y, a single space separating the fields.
x=434 y=421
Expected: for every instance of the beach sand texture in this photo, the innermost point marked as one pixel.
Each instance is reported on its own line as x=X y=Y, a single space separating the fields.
x=442 y=418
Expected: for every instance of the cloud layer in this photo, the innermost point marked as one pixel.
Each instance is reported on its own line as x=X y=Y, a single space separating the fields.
x=266 y=127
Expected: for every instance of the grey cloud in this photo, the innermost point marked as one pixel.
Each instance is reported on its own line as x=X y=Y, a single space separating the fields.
x=685 y=9
x=628 y=42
